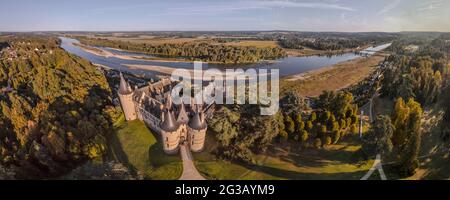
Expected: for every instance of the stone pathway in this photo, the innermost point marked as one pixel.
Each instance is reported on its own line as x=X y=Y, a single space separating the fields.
x=189 y=170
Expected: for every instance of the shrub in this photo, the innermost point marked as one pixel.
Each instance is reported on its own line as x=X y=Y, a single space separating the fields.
x=318 y=143
x=327 y=140
x=304 y=136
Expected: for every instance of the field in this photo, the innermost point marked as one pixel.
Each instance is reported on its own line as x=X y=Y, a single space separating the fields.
x=252 y=43
x=285 y=161
x=331 y=78
x=136 y=147
x=150 y=39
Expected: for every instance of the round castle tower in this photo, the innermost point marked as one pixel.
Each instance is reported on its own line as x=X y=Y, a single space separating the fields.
x=170 y=133
x=126 y=99
x=197 y=131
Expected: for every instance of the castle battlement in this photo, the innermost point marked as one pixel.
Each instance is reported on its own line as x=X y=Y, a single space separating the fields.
x=176 y=124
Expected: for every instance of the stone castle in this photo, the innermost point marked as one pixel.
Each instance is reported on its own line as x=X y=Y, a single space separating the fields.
x=176 y=125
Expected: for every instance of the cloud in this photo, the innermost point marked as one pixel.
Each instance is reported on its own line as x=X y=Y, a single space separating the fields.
x=389 y=7
x=255 y=5
x=430 y=5
x=295 y=4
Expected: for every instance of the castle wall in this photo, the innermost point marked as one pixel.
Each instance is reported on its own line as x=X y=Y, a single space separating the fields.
x=128 y=107
x=197 y=139
x=150 y=120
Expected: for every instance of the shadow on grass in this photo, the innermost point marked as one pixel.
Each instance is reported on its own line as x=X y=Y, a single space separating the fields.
x=287 y=174
x=159 y=158
x=116 y=152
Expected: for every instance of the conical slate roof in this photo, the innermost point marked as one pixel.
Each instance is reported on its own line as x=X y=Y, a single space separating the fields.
x=124 y=88
x=182 y=116
x=197 y=122
x=169 y=124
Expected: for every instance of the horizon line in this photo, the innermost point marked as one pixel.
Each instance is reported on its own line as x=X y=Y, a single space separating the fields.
x=136 y=31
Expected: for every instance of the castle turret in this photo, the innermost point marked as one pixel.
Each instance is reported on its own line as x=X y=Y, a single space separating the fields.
x=126 y=99
x=183 y=117
x=197 y=131
x=169 y=132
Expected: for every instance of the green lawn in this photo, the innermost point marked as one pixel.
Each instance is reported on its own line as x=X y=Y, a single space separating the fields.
x=134 y=145
x=335 y=162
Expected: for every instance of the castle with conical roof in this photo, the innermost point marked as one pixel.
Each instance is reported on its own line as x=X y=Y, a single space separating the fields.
x=176 y=124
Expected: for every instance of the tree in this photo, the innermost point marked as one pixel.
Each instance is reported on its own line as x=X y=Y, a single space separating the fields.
x=335 y=126
x=313 y=117
x=304 y=136
x=407 y=134
x=336 y=136
x=317 y=143
x=408 y=158
x=400 y=115
x=354 y=129
x=290 y=125
x=309 y=126
x=379 y=137
x=300 y=124
x=327 y=140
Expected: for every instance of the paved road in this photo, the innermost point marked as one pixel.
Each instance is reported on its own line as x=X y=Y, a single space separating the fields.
x=377 y=165
x=189 y=170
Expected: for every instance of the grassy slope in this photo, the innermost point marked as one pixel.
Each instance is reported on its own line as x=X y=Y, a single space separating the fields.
x=135 y=146
x=335 y=162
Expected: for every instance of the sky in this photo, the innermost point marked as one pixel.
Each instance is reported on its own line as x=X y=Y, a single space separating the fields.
x=225 y=15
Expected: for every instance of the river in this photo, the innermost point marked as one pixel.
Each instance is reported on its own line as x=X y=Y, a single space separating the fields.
x=287 y=66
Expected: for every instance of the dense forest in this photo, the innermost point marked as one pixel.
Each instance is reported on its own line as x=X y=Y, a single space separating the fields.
x=55 y=111
x=321 y=44
x=195 y=50
x=333 y=41
x=416 y=80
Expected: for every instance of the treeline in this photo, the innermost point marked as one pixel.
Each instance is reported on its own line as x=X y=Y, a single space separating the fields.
x=414 y=77
x=331 y=41
x=195 y=50
x=321 y=44
x=241 y=133
x=58 y=113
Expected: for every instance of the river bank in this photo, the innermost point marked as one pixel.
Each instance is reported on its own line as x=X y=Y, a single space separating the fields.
x=332 y=78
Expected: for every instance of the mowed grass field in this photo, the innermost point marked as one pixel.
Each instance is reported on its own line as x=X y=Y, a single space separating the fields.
x=284 y=161
x=137 y=148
